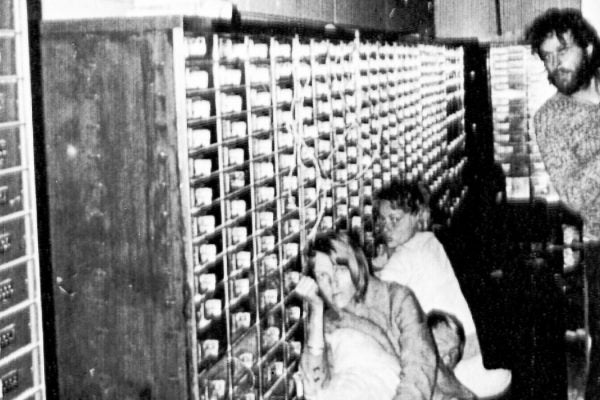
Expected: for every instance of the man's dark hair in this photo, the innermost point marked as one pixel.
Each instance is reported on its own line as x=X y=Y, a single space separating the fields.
x=406 y=196
x=560 y=21
x=438 y=317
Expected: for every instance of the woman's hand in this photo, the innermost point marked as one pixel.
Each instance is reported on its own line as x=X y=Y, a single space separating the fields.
x=308 y=290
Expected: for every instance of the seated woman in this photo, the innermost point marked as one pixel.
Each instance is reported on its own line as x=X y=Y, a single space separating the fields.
x=367 y=339
x=418 y=260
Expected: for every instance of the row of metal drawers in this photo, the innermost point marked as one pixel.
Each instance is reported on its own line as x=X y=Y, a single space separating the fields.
x=17 y=377
x=17 y=348
x=21 y=353
x=16 y=318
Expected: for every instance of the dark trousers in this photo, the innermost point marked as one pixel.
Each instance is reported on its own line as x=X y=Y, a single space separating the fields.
x=592 y=265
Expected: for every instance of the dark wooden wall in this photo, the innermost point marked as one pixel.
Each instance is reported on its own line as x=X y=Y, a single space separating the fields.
x=403 y=16
x=485 y=21
x=115 y=211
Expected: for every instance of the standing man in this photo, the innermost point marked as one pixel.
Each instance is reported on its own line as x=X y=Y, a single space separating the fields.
x=568 y=124
x=568 y=133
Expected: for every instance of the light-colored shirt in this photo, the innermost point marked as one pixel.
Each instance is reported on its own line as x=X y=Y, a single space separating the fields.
x=361 y=369
x=568 y=135
x=390 y=316
x=422 y=265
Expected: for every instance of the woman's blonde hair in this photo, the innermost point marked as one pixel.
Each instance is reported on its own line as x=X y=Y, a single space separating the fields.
x=324 y=243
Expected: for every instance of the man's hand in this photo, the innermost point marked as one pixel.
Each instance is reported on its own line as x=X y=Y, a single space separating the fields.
x=380 y=259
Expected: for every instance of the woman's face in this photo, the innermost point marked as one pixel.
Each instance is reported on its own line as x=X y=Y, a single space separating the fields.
x=333 y=275
x=396 y=225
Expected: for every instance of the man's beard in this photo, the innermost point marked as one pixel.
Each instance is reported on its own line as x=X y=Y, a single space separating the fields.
x=579 y=77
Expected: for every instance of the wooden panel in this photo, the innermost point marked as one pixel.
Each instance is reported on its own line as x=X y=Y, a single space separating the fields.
x=516 y=15
x=274 y=7
x=409 y=16
x=321 y=10
x=106 y=25
x=477 y=19
x=115 y=215
x=465 y=19
x=311 y=11
x=90 y=9
x=375 y=14
x=368 y=14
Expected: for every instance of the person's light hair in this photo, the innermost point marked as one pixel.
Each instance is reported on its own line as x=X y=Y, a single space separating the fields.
x=324 y=242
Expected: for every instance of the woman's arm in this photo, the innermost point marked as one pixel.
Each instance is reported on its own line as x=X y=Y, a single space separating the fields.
x=424 y=376
x=314 y=367
x=418 y=357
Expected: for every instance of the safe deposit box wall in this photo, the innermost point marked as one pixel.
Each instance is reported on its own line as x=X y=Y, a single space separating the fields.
x=187 y=169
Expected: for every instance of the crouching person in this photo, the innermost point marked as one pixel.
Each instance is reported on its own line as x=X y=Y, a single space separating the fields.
x=367 y=339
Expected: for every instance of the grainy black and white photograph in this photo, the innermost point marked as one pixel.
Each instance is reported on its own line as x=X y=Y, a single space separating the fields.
x=300 y=200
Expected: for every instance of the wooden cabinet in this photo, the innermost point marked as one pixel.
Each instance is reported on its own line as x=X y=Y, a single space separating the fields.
x=410 y=16
x=314 y=11
x=187 y=171
x=121 y=294
x=402 y=16
x=490 y=20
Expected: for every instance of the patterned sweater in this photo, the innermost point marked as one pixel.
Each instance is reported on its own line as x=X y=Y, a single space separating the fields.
x=568 y=134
